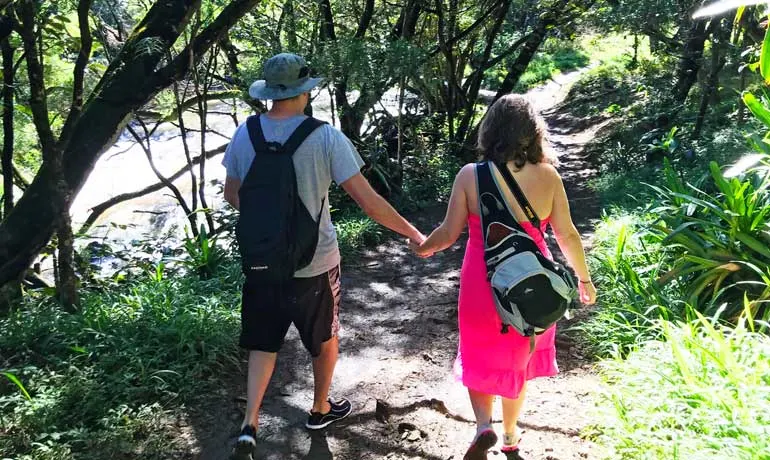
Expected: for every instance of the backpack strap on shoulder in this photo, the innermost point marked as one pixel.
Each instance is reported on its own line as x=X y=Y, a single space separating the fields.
x=484 y=184
x=519 y=195
x=299 y=135
x=254 y=127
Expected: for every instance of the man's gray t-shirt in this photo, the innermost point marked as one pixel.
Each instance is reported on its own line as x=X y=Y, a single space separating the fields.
x=325 y=155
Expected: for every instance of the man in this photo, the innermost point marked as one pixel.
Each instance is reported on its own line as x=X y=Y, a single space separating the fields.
x=311 y=299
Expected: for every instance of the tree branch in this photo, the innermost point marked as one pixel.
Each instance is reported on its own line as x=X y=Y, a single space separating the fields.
x=207 y=38
x=469 y=30
x=86 y=45
x=100 y=208
x=167 y=183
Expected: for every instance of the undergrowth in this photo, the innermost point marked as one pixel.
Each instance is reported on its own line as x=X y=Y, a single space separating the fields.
x=104 y=381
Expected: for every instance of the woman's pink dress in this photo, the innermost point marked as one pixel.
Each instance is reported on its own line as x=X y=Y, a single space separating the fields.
x=487 y=360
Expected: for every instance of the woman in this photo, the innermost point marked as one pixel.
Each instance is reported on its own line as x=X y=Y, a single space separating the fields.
x=488 y=362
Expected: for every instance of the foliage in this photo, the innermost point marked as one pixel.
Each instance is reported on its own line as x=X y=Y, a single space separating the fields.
x=204 y=256
x=700 y=392
x=357 y=232
x=555 y=57
x=105 y=380
x=626 y=263
x=717 y=239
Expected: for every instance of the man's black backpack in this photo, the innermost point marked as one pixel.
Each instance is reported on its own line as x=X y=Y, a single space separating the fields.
x=276 y=233
x=531 y=292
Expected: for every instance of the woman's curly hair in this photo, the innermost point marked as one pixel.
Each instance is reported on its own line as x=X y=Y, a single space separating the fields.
x=512 y=131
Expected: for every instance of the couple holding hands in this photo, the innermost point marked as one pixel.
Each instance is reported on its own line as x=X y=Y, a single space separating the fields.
x=489 y=363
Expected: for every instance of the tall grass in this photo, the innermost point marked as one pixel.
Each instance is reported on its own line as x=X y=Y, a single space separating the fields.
x=701 y=392
x=103 y=382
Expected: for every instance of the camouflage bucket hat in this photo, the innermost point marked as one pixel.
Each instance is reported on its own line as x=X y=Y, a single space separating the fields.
x=285 y=76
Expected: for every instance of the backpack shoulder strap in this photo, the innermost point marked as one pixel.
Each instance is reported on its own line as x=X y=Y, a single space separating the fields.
x=520 y=197
x=491 y=201
x=254 y=127
x=299 y=135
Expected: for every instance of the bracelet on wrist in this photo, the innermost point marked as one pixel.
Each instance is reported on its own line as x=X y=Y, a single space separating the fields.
x=586 y=282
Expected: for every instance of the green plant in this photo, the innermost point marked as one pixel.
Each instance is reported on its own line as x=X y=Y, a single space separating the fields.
x=626 y=264
x=665 y=145
x=108 y=380
x=701 y=392
x=717 y=240
x=204 y=256
x=356 y=232
x=16 y=382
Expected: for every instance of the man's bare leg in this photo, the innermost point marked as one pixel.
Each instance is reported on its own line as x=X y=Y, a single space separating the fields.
x=261 y=366
x=323 y=371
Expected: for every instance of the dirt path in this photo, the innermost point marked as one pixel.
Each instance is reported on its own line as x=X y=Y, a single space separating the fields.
x=398 y=343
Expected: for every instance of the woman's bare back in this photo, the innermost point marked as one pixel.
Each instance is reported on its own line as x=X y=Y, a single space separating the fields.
x=537 y=181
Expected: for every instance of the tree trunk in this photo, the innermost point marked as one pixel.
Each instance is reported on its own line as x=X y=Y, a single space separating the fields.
x=67 y=289
x=527 y=53
x=291 y=32
x=130 y=82
x=690 y=62
x=718 y=61
x=478 y=76
x=366 y=19
x=8 y=138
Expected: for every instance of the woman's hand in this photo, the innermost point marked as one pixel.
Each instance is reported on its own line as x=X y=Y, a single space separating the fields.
x=419 y=248
x=587 y=292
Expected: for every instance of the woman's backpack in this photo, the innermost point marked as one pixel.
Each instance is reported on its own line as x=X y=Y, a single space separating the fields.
x=531 y=291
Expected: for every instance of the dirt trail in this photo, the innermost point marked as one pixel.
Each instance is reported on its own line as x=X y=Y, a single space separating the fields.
x=398 y=344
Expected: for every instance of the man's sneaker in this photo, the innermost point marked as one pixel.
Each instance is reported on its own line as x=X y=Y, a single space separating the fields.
x=247 y=442
x=339 y=410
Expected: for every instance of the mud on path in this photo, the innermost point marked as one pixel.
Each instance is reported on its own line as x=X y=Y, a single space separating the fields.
x=398 y=344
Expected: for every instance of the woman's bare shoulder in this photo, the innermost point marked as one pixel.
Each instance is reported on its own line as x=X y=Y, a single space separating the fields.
x=549 y=172
x=467 y=173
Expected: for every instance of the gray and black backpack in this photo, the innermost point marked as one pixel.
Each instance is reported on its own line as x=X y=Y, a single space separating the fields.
x=531 y=291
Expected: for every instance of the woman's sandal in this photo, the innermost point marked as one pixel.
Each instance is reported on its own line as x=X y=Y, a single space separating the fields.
x=485 y=440
x=510 y=449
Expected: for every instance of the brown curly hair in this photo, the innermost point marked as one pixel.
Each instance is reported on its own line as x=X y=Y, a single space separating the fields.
x=512 y=131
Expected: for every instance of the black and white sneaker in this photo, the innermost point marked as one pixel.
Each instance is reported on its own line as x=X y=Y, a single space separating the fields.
x=247 y=442
x=339 y=410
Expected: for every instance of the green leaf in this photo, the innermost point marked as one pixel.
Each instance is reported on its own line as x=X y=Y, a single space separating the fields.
x=764 y=57
x=753 y=243
x=757 y=108
x=18 y=383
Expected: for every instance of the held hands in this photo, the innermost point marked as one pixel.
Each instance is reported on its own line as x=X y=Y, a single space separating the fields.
x=587 y=292
x=416 y=244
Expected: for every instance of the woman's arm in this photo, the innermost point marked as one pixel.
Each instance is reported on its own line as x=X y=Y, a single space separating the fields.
x=456 y=216
x=569 y=241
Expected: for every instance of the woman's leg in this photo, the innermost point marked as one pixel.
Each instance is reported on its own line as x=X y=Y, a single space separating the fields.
x=511 y=411
x=482 y=407
x=485 y=436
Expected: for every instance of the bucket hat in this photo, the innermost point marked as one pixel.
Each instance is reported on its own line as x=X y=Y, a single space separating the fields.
x=285 y=76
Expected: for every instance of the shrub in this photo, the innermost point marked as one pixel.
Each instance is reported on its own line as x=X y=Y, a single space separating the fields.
x=717 y=240
x=701 y=392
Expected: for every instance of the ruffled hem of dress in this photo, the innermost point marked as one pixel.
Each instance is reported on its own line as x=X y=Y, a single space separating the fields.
x=508 y=384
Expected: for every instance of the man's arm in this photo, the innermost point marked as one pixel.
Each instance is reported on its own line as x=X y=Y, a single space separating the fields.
x=377 y=208
x=232 y=185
